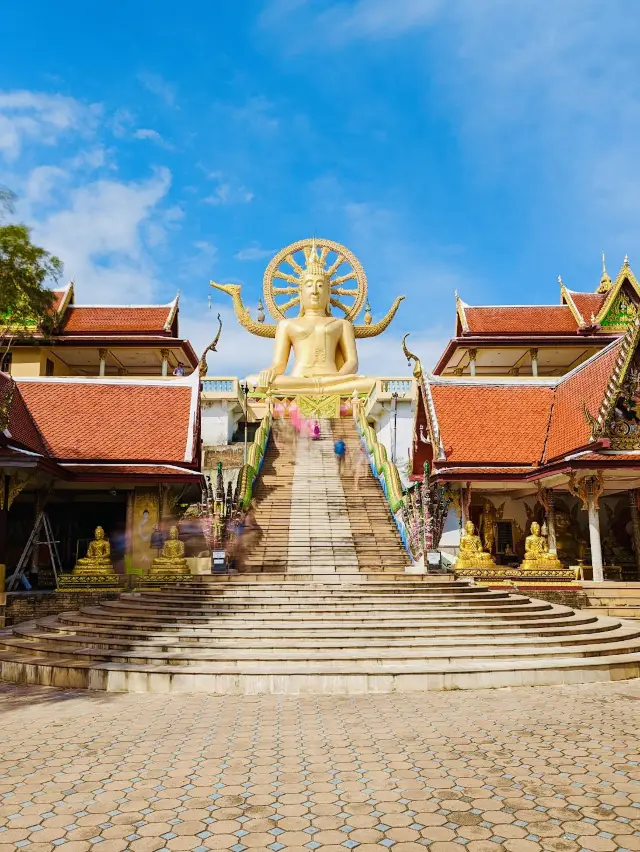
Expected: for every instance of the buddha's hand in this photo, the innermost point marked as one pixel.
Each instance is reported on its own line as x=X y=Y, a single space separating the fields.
x=266 y=377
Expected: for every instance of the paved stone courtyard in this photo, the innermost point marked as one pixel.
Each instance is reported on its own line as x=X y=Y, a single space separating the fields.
x=552 y=768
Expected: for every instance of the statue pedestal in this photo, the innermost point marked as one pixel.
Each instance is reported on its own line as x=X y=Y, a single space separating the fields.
x=86 y=580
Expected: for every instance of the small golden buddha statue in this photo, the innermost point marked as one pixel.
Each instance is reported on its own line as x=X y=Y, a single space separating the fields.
x=171 y=561
x=471 y=555
x=536 y=552
x=94 y=569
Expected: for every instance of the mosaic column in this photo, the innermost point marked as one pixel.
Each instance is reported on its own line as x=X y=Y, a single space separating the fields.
x=594 y=534
x=635 y=524
x=551 y=522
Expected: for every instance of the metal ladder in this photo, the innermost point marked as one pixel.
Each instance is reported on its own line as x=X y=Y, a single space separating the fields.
x=42 y=524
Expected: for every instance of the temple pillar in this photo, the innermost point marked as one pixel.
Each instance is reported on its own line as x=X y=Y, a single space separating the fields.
x=473 y=354
x=165 y=361
x=102 y=355
x=551 y=522
x=594 y=534
x=635 y=524
x=534 y=361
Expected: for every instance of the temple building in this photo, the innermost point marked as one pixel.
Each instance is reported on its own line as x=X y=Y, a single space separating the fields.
x=102 y=340
x=118 y=452
x=530 y=417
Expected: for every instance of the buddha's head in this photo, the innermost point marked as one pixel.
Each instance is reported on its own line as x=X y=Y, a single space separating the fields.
x=469 y=528
x=99 y=533
x=315 y=287
x=173 y=533
x=535 y=528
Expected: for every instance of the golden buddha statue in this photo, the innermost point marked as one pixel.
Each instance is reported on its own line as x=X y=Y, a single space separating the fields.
x=471 y=555
x=94 y=569
x=536 y=552
x=171 y=562
x=324 y=346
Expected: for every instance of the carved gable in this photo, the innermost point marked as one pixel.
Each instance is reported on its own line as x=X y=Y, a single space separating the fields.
x=622 y=310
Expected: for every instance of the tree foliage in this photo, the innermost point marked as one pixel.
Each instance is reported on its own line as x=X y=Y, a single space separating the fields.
x=25 y=269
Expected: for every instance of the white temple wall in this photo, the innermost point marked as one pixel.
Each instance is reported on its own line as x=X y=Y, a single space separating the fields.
x=384 y=425
x=217 y=423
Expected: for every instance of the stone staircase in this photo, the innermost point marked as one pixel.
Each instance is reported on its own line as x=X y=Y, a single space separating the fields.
x=620 y=600
x=368 y=633
x=325 y=608
x=314 y=520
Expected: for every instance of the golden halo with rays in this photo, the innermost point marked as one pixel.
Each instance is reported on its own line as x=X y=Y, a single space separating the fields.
x=288 y=267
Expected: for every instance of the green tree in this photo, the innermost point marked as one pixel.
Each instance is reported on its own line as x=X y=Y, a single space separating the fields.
x=25 y=300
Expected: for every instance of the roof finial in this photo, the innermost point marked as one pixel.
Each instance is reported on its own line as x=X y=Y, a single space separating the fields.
x=455 y=292
x=605 y=281
x=560 y=281
x=626 y=260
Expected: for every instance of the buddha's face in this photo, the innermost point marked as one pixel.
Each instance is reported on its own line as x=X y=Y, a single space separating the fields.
x=469 y=527
x=173 y=533
x=535 y=528
x=314 y=293
x=99 y=533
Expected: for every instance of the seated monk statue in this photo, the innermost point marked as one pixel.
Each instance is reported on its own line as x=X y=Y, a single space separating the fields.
x=536 y=552
x=98 y=558
x=172 y=559
x=471 y=554
x=324 y=346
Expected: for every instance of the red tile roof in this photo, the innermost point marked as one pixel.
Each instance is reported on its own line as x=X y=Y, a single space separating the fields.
x=21 y=427
x=492 y=423
x=121 y=421
x=58 y=298
x=587 y=304
x=521 y=319
x=584 y=386
x=114 y=320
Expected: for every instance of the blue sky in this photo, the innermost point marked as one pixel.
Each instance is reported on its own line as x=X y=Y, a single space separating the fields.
x=480 y=144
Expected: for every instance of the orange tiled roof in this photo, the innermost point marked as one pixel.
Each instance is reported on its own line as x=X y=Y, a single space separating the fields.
x=492 y=423
x=21 y=427
x=113 y=320
x=586 y=385
x=588 y=303
x=58 y=298
x=119 y=421
x=521 y=319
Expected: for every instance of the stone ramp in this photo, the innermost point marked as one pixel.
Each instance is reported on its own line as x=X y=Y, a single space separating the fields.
x=242 y=635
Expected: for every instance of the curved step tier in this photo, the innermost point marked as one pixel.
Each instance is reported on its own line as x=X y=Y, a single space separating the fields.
x=238 y=635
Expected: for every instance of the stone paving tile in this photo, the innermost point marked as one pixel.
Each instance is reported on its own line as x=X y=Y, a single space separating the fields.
x=522 y=770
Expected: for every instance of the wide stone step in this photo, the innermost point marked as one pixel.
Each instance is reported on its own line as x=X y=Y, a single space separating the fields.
x=346 y=678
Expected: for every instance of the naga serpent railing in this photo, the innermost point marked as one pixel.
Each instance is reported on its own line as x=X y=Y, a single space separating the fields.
x=255 y=457
x=420 y=513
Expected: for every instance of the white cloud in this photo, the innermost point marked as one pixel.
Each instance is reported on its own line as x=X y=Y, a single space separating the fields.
x=157 y=85
x=254 y=252
x=375 y=19
x=206 y=247
x=99 y=237
x=147 y=133
x=40 y=118
x=228 y=193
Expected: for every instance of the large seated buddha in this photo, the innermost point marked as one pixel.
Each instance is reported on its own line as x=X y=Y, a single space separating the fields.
x=323 y=345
